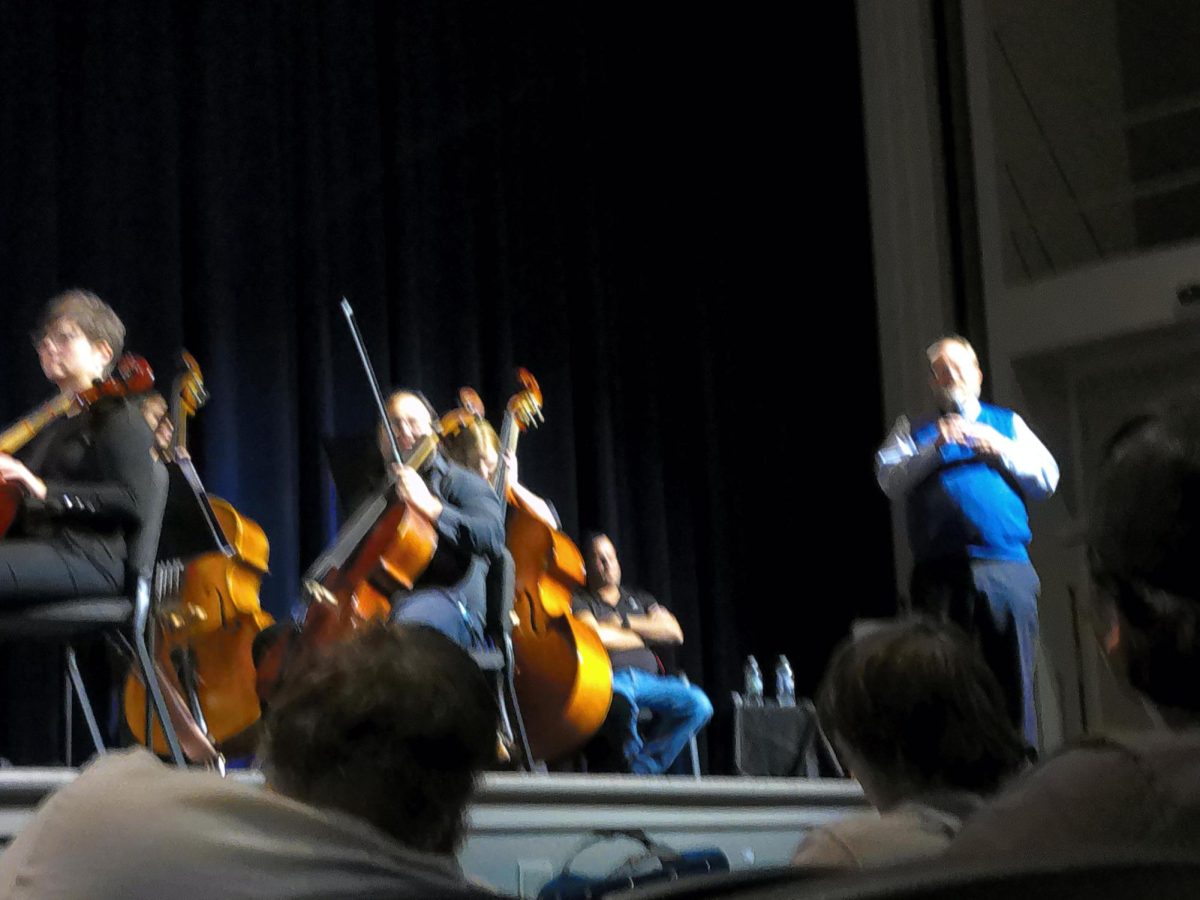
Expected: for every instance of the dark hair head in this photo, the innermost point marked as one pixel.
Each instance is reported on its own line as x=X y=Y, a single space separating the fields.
x=392 y=726
x=93 y=316
x=1144 y=539
x=917 y=702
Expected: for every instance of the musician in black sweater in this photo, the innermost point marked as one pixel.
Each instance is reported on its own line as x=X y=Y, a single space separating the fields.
x=469 y=520
x=86 y=479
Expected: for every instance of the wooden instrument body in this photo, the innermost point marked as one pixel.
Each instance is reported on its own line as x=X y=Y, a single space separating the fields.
x=563 y=673
x=11 y=496
x=208 y=618
x=207 y=629
x=391 y=558
x=391 y=555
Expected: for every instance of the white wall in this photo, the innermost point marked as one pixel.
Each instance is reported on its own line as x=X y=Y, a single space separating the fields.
x=908 y=223
x=1071 y=352
x=1049 y=342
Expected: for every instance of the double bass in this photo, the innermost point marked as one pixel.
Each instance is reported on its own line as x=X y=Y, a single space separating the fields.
x=208 y=611
x=563 y=672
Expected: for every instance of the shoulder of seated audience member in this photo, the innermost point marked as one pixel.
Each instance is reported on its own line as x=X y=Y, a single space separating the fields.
x=1098 y=791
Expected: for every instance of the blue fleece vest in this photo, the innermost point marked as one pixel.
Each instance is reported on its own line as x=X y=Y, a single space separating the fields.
x=967 y=507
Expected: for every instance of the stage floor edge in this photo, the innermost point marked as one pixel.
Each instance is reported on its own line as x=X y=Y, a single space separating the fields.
x=523 y=828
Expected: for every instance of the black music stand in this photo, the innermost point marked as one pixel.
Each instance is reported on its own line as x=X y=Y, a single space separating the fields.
x=355 y=467
x=190 y=527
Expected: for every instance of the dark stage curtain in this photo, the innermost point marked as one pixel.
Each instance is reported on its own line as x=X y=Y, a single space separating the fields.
x=660 y=210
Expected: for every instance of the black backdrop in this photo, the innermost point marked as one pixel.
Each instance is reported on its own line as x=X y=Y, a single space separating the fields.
x=661 y=211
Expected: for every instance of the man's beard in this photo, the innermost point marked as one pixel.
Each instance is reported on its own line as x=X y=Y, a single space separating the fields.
x=954 y=399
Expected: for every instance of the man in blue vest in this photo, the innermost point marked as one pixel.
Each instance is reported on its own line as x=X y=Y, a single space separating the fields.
x=965 y=478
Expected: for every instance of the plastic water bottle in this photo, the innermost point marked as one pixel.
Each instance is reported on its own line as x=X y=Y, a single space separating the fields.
x=754 y=683
x=785 y=683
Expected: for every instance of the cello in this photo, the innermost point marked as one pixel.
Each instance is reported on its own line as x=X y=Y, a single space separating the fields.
x=208 y=612
x=384 y=547
x=563 y=673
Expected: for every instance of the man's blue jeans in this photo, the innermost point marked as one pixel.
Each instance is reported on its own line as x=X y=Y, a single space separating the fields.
x=680 y=710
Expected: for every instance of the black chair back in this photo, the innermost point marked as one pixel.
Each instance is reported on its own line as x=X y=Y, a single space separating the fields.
x=142 y=539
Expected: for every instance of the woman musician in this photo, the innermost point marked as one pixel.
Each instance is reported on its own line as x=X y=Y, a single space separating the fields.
x=477 y=448
x=85 y=479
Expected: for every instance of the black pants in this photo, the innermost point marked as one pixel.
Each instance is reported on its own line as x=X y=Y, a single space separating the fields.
x=994 y=601
x=31 y=673
x=39 y=570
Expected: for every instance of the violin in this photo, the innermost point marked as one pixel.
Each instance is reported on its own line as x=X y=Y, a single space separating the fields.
x=563 y=672
x=207 y=611
x=131 y=375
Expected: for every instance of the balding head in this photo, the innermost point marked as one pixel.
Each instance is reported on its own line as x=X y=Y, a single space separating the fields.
x=410 y=418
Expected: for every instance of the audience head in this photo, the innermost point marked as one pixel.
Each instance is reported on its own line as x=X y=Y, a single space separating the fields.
x=913 y=708
x=392 y=726
x=1143 y=541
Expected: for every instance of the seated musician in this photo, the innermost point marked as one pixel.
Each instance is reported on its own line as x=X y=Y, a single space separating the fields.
x=478 y=448
x=469 y=519
x=627 y=621
x=85 y=480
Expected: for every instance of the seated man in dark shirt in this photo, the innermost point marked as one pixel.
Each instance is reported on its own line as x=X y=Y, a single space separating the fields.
x=626 y=621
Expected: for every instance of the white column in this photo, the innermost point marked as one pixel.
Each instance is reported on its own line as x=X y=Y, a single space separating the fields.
x=907 y=199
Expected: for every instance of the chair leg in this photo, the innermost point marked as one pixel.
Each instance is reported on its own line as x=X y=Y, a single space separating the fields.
x=145 y=662
x=502 y=705
x=147 y=709
x=68 y=708
x=692 y=749
x=511 y=684
x=85 y=704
